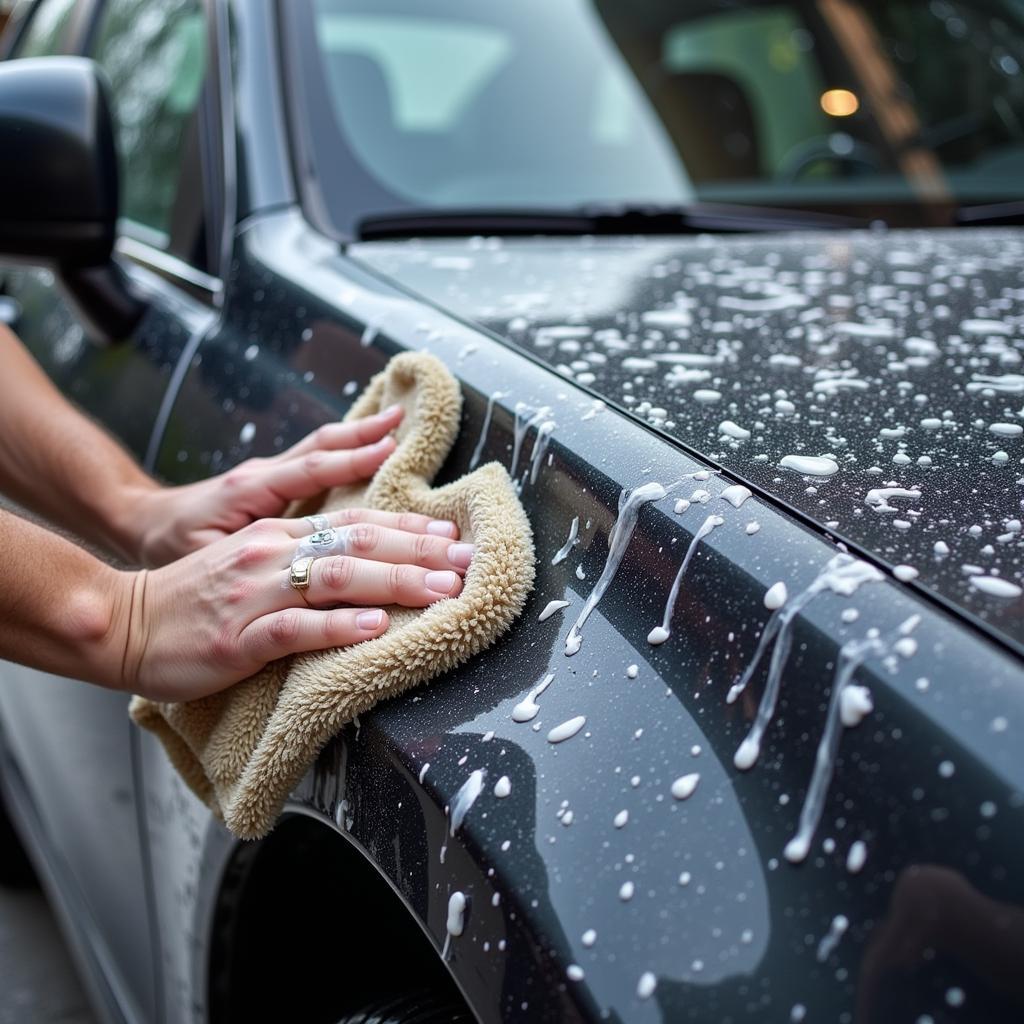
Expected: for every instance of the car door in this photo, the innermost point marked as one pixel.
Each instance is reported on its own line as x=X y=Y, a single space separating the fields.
x=73 y=743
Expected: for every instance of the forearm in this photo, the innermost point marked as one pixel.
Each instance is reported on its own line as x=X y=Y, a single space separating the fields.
x=61 y=609
x=58 y=463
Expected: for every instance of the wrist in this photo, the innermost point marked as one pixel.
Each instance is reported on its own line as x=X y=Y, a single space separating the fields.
x=131 y=519
x=97 y=625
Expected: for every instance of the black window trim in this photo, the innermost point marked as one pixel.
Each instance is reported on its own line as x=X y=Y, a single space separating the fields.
x=139 y=244
x=131 y=246
x=302 y=157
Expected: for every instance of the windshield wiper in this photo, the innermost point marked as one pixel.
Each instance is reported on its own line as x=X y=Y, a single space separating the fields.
x=1009 y=213
x=597 y=220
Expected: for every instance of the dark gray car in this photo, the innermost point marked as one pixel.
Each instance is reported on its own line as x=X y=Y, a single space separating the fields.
x=735 y=292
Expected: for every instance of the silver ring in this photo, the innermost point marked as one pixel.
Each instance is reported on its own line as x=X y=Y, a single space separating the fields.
x=323 y=542
x=319 y=522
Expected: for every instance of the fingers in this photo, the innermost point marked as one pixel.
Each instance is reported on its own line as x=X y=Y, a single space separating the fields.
x=344 y=580
x=355 y=434
x=378 y=543
x=319 y=471
x=408 y=521
x=294 y=630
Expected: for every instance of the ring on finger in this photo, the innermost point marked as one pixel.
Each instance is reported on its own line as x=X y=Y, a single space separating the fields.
x=324 y=542
x=298 y=575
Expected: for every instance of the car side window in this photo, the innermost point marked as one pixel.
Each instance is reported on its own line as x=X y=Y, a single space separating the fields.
x=154 y=53
x=44 y=32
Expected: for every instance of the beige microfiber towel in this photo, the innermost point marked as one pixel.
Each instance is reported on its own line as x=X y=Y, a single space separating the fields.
x=243 y=750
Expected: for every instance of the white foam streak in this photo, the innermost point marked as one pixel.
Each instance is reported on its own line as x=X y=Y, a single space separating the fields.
x=567 y=730
x=527 y=709
x=851 y=656
x=550 y=608
x=466 y=797
x=526 y=417
x=540 y=447
x=661 y=633
x=630 y=503
x=563 y=552
x=842 y=575
x=835 y=932
x=736 y=495
x=810 y=465
x=479 y=450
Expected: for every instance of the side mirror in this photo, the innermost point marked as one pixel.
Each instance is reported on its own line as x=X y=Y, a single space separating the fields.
x=59 y=184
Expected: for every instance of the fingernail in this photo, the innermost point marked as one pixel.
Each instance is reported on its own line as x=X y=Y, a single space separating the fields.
x=390 y=410
x=385 y=442
x=441 y=527
x=441 y=582
x=461 y=554
x=369 y=620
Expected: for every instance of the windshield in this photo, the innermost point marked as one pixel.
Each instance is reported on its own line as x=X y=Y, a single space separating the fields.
x=902 y=109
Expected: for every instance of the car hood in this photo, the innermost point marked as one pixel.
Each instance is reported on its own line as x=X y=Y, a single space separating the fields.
x=871 y=381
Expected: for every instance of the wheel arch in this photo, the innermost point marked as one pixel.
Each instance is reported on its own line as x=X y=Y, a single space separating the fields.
x=308 y=913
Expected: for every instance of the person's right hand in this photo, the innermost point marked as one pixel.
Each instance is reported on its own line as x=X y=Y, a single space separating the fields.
x=221 y=613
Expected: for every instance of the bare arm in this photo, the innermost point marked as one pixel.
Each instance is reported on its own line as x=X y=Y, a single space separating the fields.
x=59 y=463
x=62 y=610
x=221 y=613
x=220 y=607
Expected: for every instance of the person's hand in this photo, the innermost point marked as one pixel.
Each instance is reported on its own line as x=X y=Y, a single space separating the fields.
x=168 y=522
x=222 y=613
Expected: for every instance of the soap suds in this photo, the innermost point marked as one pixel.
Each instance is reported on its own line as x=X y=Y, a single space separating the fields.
x=567 y=729
x=466 y=797
x=550 y=608
x=683 y=788
x=527 y=709
x=661 y=633
x=630 y=503
x=563 y=552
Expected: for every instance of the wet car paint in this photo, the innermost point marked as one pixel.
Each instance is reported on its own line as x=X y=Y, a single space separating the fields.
x=896 y=354
x=893 y=788
x=727 y=928
x=124 y=384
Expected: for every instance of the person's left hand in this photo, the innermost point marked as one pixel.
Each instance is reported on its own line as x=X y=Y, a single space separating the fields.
x=169 y=522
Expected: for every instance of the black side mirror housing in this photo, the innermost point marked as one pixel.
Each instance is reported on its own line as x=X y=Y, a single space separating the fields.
x=59 y=184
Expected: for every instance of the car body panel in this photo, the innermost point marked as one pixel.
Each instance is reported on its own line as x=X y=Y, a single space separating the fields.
x=729 y=929
x=740 y=924
x=896 y=353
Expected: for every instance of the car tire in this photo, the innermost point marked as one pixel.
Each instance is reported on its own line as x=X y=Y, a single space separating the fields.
x=411 y=1008
x=16 y=871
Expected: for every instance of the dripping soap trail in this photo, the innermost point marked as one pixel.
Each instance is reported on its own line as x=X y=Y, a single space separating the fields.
x=660 y=634
x=479 y=450
x=842 y=575
x=851 y=656
x=550 y=608
x=563 y=552
x=527 y=709
x=525 y=417
x=466 y=797
x=540 y=447
x=630 y=503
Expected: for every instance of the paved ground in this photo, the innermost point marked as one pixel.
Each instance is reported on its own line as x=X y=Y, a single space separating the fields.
x=38 y=983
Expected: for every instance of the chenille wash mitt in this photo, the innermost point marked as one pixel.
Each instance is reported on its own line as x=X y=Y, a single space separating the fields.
x=243 y=750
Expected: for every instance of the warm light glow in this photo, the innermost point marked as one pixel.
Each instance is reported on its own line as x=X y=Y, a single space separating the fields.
x=839 y=102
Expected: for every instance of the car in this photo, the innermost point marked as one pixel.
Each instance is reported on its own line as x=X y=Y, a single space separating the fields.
x=734 y=292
